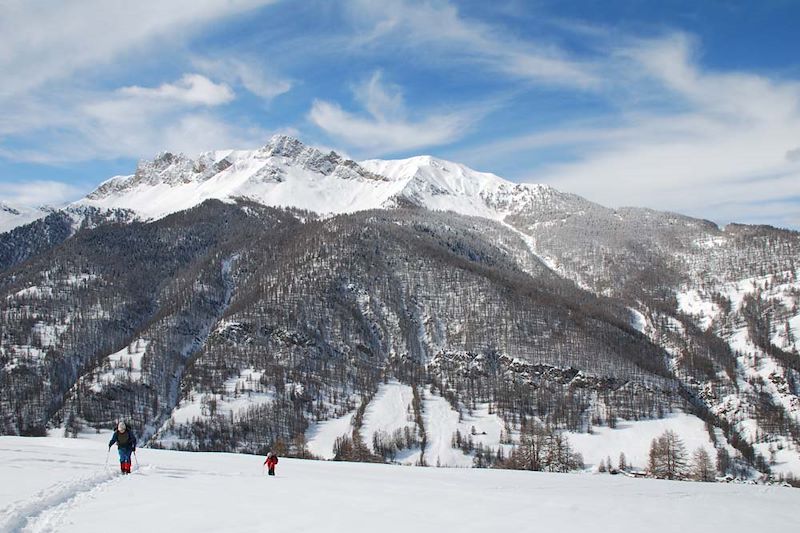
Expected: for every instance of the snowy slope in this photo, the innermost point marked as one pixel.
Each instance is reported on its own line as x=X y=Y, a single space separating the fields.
x=633 y=438
x=390 y=409
x=443 y=185
x=286 y=173
x=61 y=485
x=14 y=216
x=757 y=371
x=321 y=437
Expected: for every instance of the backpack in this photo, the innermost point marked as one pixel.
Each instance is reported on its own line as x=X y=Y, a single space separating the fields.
x=123 y=439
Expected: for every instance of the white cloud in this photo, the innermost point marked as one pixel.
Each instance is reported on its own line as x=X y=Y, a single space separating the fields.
x=248 y=73
x=38 y=192
x=174 y=116
x=386 y=128
x=383 y=101
x=141 y=105
x=698 y=142
x=55 y=54
x=48 y=40
x=140 y=121
x=437 y=27
x=194 y=133
x=190 y=89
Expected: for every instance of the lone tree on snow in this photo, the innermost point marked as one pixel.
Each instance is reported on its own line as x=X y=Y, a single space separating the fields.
x=702 y=466
x=667 y=456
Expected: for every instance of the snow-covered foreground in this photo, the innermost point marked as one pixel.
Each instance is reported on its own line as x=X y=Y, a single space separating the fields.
x=52 y=484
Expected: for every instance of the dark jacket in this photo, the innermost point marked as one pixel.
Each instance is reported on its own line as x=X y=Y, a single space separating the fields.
x=123 y=440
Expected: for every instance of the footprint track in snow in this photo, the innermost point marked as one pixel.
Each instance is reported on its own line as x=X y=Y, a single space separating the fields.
x=45 y=510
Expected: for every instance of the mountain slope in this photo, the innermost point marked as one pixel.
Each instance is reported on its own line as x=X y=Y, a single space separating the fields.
x=15 y=216
x=284 y=173
x=232 y=325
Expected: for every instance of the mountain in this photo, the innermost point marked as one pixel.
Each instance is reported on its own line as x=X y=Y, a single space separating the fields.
x=286 y=173
x=248 y=298
x=14 y=216
x=283 y=173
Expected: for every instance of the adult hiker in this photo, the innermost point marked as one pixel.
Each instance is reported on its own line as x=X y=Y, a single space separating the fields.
x=271 y=461
x=126 y=445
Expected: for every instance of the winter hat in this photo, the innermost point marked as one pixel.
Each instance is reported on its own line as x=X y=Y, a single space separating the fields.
x=121 y=426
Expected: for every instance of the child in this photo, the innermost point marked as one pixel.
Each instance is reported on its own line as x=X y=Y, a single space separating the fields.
x=271 y=461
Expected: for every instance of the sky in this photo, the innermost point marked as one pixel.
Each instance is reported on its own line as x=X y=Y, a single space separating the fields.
x=674 y=105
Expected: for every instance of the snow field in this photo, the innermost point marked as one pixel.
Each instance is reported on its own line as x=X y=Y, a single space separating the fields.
x=126 y=363
x=692 y=303
x=441 y=421
x=388 y=411
x=633 y=438
x=240 y=393
x=321 y=436
x=179 y=491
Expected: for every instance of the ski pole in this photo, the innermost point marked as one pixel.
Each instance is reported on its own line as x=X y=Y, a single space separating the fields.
x=107 y=454
x=135 y=458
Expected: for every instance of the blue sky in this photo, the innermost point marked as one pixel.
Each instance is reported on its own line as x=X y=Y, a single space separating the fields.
x=685 y=106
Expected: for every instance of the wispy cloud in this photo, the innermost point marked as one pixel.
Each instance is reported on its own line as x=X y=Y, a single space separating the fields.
x=385 y=127
x=53 y=97
x=439 y=26
x=58 y=56
x=702 y=142
x=192 y=89
x=48 y=40
x=136 y=121
x=247 y=73
x=38 y=192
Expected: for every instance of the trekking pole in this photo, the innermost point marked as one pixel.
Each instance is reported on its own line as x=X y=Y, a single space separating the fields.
x=107 y=454
x=135 y=458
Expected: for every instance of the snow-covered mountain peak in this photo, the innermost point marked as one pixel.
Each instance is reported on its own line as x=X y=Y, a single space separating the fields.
x=288 y=173
x=286 y=146
x=283 y=173
x=453 y=176
x=444 y=185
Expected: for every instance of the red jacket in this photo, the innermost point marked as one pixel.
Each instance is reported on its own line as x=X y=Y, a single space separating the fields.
x=271 y=461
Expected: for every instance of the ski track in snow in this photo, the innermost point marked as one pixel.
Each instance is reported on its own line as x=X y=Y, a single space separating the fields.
x=47 y=509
